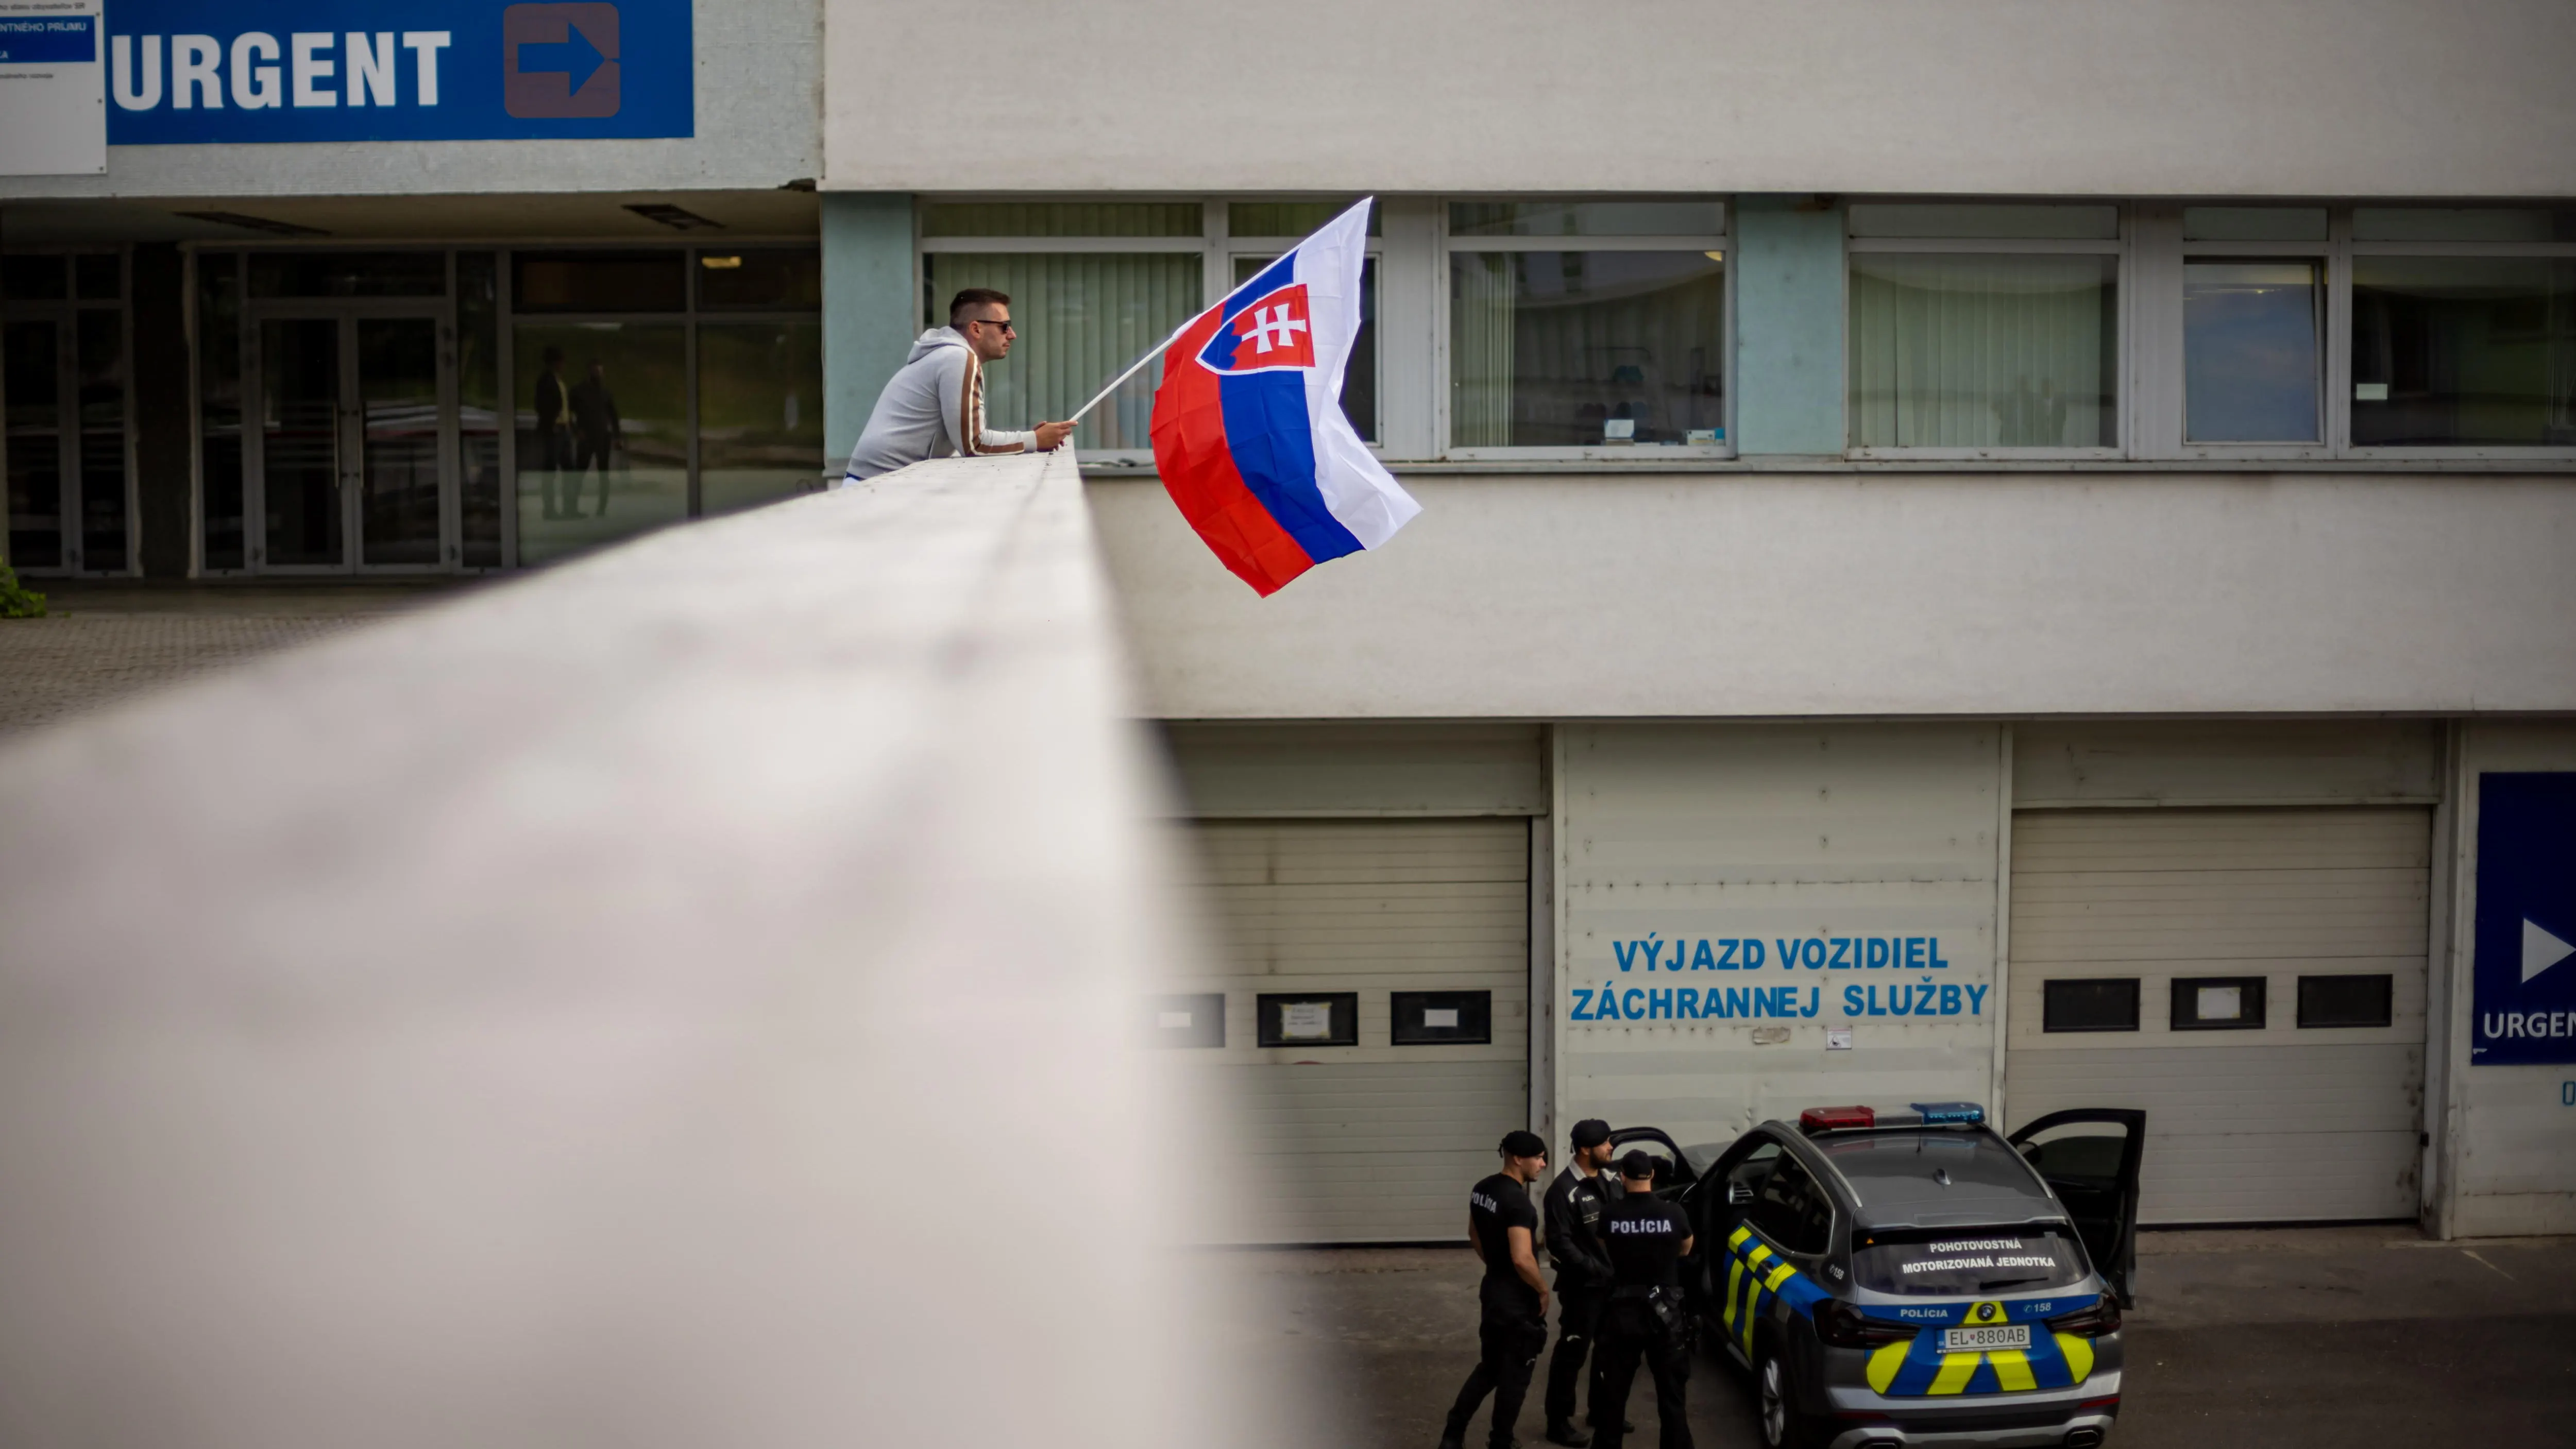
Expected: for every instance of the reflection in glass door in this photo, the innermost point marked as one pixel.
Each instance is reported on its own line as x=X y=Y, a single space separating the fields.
x=354 y=464
x=398 y=464
x=299 y=443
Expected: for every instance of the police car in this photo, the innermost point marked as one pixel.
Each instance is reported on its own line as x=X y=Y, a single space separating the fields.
x=1906 y=1277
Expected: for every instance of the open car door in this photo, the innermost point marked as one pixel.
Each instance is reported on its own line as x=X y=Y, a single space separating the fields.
x=1673 y=1171
x=2090 y=1156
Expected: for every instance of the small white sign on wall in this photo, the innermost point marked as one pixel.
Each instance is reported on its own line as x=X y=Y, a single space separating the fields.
x=1306 y=1021
x=53 y=88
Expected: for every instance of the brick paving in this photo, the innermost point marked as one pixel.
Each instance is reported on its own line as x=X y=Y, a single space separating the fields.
x=104 y=643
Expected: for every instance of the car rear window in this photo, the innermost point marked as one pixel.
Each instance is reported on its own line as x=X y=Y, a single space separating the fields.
x=1966 y=1262
x=1965 y=1176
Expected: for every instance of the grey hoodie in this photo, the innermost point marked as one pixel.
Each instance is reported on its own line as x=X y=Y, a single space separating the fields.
x=932 y=408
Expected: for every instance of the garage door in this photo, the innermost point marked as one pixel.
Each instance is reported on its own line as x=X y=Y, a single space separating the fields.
x=2253 y=978
x=1387 y=964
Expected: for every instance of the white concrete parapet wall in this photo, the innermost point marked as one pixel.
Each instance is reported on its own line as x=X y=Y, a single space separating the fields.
x=1822 y=595
x=680 y=998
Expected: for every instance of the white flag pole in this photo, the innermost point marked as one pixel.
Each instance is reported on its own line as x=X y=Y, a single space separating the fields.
x=1134 y=368
x=1161 y=347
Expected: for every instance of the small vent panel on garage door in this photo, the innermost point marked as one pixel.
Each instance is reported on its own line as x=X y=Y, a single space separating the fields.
x=2169 y=934
x=1370 y=1141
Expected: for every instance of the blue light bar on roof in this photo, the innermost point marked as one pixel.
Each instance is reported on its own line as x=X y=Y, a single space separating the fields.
x=1948 y=1113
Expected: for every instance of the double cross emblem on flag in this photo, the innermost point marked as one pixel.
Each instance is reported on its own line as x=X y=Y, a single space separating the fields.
x=1274 y=331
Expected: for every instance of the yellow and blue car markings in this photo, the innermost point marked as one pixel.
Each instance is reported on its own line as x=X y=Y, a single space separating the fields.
x=1755 y=1276
x=1918 y=1367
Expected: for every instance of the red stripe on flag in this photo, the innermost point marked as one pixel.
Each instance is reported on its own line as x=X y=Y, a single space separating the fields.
x=1198 y=471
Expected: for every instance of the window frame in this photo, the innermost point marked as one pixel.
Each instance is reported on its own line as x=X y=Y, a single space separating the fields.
x=1159 y=1038
x=2387 y=1001
x=2334 y=341
x=1226 y=249
x=1820 y=1193
x=1396 y=1003
x=1345 y=1030
x=1447 y=245
x=1215 y=245
x=2157 y=403
x=2136 y=994
x=2340 y=405
x=1728 y=1215
x=1414 y=260
x=65 y=314
x=2255 y=1014
x=236 y=254
x=2122 y=249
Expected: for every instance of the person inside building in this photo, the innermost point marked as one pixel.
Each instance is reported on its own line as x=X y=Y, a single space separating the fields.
x=1573 y=1212
x=933 y=407
x=597 y=432
x=554 y=440
x=1502 y=1226
x=1646 y=1239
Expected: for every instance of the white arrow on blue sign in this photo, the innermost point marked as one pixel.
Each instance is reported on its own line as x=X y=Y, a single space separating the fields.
x=2541 y=950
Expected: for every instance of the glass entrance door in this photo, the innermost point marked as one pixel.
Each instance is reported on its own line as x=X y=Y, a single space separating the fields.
x=401 y=485
x=299 y=444
x=357 y=421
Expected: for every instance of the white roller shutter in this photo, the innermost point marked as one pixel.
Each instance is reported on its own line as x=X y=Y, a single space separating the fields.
x=2271 y=1125
x=1372 y=1142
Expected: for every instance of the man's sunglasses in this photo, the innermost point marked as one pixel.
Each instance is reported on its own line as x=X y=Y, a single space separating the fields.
x=1008 y=327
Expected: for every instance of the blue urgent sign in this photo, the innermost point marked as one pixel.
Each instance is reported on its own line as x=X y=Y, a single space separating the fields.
x=182 y=72
x=2525 y=972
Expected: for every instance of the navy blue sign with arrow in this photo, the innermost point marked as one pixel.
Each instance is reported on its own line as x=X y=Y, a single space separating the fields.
x=2525 y=972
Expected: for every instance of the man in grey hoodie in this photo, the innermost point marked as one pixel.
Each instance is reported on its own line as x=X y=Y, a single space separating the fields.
x=934 y=406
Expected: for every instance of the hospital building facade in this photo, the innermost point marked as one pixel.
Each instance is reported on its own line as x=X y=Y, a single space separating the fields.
x=1966 y=553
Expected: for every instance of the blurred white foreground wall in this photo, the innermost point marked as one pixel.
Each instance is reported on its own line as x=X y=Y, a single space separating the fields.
x=682 y=998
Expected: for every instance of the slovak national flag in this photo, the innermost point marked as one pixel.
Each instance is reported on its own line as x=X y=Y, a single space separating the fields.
x=1249 y=433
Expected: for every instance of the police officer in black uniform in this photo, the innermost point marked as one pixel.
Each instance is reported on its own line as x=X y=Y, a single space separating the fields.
x=1574 y=1203
x=1646 y=1239
x=1502 y=1226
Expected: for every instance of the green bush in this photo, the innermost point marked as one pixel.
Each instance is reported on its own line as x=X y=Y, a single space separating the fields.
x=17 y=601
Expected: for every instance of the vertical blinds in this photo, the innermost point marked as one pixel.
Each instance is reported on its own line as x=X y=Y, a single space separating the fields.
x=1969 y=351
x=1082 y=318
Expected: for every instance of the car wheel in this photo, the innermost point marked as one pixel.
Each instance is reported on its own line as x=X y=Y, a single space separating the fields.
x=1782 y=1426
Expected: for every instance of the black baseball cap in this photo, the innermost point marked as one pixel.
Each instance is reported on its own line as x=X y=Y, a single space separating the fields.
x=1523 y=1144
x=1638 y=1164
x=1590 y=1132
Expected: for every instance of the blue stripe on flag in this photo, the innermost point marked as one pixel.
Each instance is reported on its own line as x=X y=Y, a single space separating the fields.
x=1273 y=443
x=1273 y=277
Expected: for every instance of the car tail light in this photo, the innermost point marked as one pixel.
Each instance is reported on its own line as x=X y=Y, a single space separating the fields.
x=1840 y=1324
x=2101 y=1319
x=1835 y=1119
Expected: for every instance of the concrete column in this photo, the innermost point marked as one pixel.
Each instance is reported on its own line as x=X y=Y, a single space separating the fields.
x=871 y=307
x=1788 y=326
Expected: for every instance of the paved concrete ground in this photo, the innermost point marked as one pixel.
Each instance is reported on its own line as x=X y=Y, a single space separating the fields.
x=106 y=641
x=2291 y=1337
